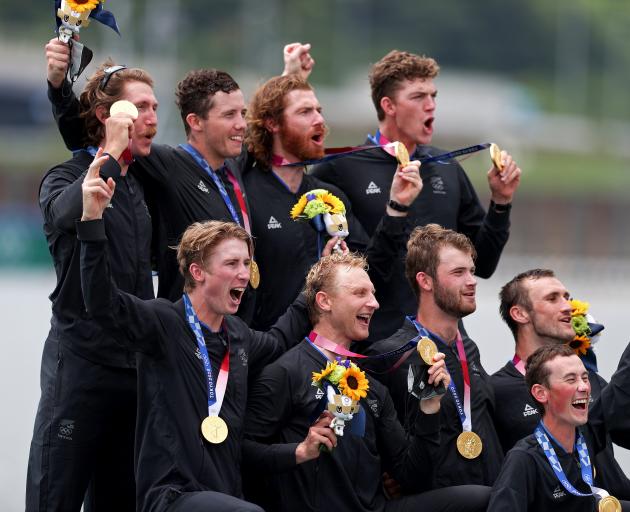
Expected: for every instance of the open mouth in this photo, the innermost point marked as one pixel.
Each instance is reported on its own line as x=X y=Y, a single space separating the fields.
x=237 y=294
x=318 y=138
x=364 y=319
x=237 y=138
x=428 y=124
x=580 y=404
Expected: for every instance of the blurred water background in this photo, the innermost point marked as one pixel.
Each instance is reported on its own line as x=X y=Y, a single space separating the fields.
x=545 y=80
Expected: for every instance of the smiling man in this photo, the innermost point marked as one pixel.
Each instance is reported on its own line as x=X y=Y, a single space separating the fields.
x=75 y=444
x=286 y=125
x=552 y=468
x=193 y=357
x=440 y=267
x=285 y=435
x=404 y=95
x=535 y=305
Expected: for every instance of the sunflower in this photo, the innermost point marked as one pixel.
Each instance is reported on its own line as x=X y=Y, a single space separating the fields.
x=298 y=208
x=354 y=384
x=81 y=6
x=578 y=307
x=318 y=377
x=334 y=204
x=580 y=344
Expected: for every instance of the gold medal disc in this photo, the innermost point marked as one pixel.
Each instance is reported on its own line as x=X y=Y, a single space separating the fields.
x=402 y=155
x=609 y=504
x=254 y=274
x=495 y=156
x=214 y=429
x=427 y=349
x=469 y=445
x=124 y=106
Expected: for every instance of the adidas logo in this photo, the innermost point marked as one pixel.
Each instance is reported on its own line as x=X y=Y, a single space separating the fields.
x=202 y=186
x=373 y=188
x=529 y=410
x=319 y=393
x=558 y=492
x=273 y=223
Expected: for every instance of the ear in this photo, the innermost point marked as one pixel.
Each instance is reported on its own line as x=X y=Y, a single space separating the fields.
x=272 y=126
x=519 y=314
x=102 y=114
x=425 y=282
x=196 y=272
x=388 y=106
x=192 y=120
x=540 y=393
x=322 y=300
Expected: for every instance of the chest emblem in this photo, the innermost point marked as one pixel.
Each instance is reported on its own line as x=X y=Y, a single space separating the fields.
x=372 y=188
x=273 y=223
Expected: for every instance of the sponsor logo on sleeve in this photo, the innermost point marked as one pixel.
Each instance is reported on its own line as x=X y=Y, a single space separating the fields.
x=273 y=223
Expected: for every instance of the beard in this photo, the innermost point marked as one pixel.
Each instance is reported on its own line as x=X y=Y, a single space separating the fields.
x=450 y=302
x=300 y=144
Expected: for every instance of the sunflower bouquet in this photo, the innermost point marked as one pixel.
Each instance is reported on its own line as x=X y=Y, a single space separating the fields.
x=584 y=326
x=352 y=385
x=326 y=213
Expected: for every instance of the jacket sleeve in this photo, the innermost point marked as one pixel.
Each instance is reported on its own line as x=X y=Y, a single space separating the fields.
x=515 y=485
x=289 y=330
x=610 y=412
x=489 y=231
x=65 y=109
x=269 y=406
x=60 y=197
x=126 y=317
x=411 y=461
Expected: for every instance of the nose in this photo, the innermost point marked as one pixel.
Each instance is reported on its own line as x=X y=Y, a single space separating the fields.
x=585 y=385
x=241 y=123
x=151 y=118
x=373 y=303
x=472 y=280
x=319 y=118
x=429 y=104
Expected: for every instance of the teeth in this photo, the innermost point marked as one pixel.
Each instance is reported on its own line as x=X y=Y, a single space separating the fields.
x=580 y=401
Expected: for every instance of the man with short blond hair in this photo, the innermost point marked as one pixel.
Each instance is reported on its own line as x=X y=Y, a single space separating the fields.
x=194 y=358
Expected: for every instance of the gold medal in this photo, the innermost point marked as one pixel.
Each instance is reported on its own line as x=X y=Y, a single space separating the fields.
x=495 y=156
x=609 y=504
x=214 y=429
x=402 y=155
x=427 y=349
x=254 y=274
x=469 y=444
x=124 y=106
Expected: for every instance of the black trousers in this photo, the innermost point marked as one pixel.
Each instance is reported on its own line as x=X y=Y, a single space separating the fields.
x=205 y=501
x=458 y=498
x=83 y=435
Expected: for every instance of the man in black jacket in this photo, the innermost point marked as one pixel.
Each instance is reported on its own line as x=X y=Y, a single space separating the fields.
x=440 y=268
x=196 y=181
x=552 y=468
x=286 y=126
x=85 y=421
x=403 y=93
x=194 y=357
x=535 y=305
x=285 y=434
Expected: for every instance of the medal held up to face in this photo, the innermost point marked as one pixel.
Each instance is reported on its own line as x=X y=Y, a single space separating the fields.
x=71 y=16
x=418 y=374
x=495 y=156
x=402 y=154
x=326 y=213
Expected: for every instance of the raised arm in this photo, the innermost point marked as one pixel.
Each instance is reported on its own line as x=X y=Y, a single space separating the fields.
x=65 y=105
x=128 y=318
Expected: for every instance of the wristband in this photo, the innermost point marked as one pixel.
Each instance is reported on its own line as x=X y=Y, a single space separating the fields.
x=397 y=206
x=500 y=208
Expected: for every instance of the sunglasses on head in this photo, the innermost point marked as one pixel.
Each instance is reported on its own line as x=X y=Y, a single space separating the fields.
x=108 y=74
